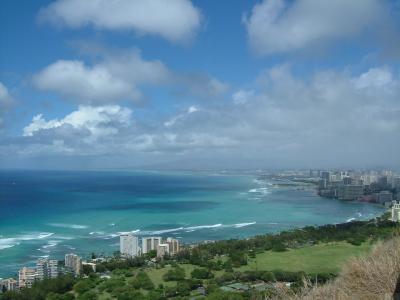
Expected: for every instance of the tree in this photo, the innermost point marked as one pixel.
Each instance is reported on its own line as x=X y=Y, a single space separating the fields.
x=175 y=274
x=142 y=280
x=201 y=273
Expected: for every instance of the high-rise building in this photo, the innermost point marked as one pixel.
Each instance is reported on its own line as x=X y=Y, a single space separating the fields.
x=41 y=268
x=150 y=243
x=73 y=263
x=26 y=277
x=325 y=175
x=347 y=180
x=173 y=246
x=350 y=192
x=162 y=250
x=53 y=269
x=129 y=245
x=46 y=269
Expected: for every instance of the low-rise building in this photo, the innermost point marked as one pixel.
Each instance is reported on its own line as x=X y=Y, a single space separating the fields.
x=90 y=265
x=384 y=196
x=396 y=212
x=9 y=284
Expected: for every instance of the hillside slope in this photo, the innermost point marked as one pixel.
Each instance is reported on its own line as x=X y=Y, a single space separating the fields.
x=375 y=276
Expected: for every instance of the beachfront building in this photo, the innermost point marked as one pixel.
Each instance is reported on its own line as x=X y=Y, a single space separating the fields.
x=162 y=250
x=26 y=277
x=53 y=269
x=150 y=243
x=384 y=196
x=173 y=246
x=46 y=269
x=396 y=212
x=9 y=284
x=73 y=263
x=129 y=245
x=350 y=192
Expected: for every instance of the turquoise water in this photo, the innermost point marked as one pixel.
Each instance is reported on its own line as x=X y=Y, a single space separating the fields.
x=53 y=213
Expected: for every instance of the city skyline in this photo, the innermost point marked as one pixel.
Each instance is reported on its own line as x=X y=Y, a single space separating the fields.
x=199 y=84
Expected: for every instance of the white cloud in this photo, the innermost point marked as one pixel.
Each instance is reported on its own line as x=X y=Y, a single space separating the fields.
x=90 y=84
x=120 y=76
x=5 y=98
x=177 y=118
x=98 y=121
x=242 y=96
x=174 y=20
x=329 y=119
x=276 y=26
x=375 y=77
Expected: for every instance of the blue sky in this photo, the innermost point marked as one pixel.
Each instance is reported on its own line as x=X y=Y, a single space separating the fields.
x=269 y=83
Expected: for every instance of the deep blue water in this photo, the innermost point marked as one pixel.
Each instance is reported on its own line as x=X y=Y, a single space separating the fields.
x=52 y=213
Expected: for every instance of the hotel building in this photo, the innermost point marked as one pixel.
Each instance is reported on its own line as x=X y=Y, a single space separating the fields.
x=150 y=243
x=73 y=263
x=26 y=277
x=129 y=245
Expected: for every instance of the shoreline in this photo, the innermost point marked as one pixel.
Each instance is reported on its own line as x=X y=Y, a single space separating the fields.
x=243 y=228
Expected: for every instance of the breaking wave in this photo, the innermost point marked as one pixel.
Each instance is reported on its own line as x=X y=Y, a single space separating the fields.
x=6 y=243
x=239 y=225
x=70 y=226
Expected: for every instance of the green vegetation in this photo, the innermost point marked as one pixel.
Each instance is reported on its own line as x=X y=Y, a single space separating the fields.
x=213 y=270
x=320 y=258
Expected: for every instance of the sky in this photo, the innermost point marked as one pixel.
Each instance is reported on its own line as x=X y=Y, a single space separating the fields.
x=127 y=84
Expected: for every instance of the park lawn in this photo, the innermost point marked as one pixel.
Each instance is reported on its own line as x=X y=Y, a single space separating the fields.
x=320 y=258
x=156 y=275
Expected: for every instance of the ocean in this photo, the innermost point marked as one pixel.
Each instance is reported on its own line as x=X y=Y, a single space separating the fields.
x=51 y=213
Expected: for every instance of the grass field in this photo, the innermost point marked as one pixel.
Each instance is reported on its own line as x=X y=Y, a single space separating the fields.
x=317 y=258
x=320 y=258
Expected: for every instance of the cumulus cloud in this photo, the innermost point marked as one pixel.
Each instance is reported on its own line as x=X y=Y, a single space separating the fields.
x=120 y=76
x=284 y=120
x=113 y=78
x=98 y=121
x=277 y=26
x=174 y=20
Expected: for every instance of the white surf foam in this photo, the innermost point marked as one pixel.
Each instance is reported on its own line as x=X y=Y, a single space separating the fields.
x=6 y=243
x=261 y=190
x=203 y=227
x=167 y=230
x=239 y=225
x=70 y=226
x=96 y=233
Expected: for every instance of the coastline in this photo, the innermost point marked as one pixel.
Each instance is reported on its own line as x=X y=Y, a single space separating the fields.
x=271 y=210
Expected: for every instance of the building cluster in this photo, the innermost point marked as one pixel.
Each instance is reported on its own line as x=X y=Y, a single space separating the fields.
x=369 y=186
x=130 y=246
x=45 y=269
x=49 y=268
